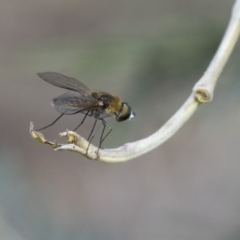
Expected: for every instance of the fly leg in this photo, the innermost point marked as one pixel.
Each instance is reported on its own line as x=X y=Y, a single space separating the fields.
x=92 y=129
x=102 y=138
x=81 y=121
x=51 y=123
x=56 y=120
x=93 y=133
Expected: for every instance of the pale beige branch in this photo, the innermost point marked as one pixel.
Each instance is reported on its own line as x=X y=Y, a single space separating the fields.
x=202 y=92
x=204 y=88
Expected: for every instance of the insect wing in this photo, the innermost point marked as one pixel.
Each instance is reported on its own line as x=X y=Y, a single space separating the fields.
x=73 y=102
x=65 y=82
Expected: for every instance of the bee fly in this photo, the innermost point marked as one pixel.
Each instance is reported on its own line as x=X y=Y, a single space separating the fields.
x=80 y=99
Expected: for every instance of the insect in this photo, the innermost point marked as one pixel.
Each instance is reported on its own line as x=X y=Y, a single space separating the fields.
x=80 y=99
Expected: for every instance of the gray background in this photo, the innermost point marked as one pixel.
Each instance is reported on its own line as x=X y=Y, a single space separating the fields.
x=150 y=53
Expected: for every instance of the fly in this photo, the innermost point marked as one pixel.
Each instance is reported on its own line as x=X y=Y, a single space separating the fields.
x=80 y=99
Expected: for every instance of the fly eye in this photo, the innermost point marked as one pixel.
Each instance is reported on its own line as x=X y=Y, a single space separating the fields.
x=124 y=114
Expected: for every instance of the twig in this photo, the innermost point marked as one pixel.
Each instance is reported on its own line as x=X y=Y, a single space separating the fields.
x=202 y=92
x=204 y=88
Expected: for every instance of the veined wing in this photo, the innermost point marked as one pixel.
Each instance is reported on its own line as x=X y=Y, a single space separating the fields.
x=65 y=82
x=73 y=102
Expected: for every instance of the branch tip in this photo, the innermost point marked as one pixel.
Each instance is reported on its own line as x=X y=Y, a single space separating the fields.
x=40 y=137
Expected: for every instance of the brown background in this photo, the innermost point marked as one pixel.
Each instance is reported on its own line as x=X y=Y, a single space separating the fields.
x=150 y=53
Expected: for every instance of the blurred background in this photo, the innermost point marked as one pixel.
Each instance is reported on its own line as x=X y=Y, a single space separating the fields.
x=150 y=53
